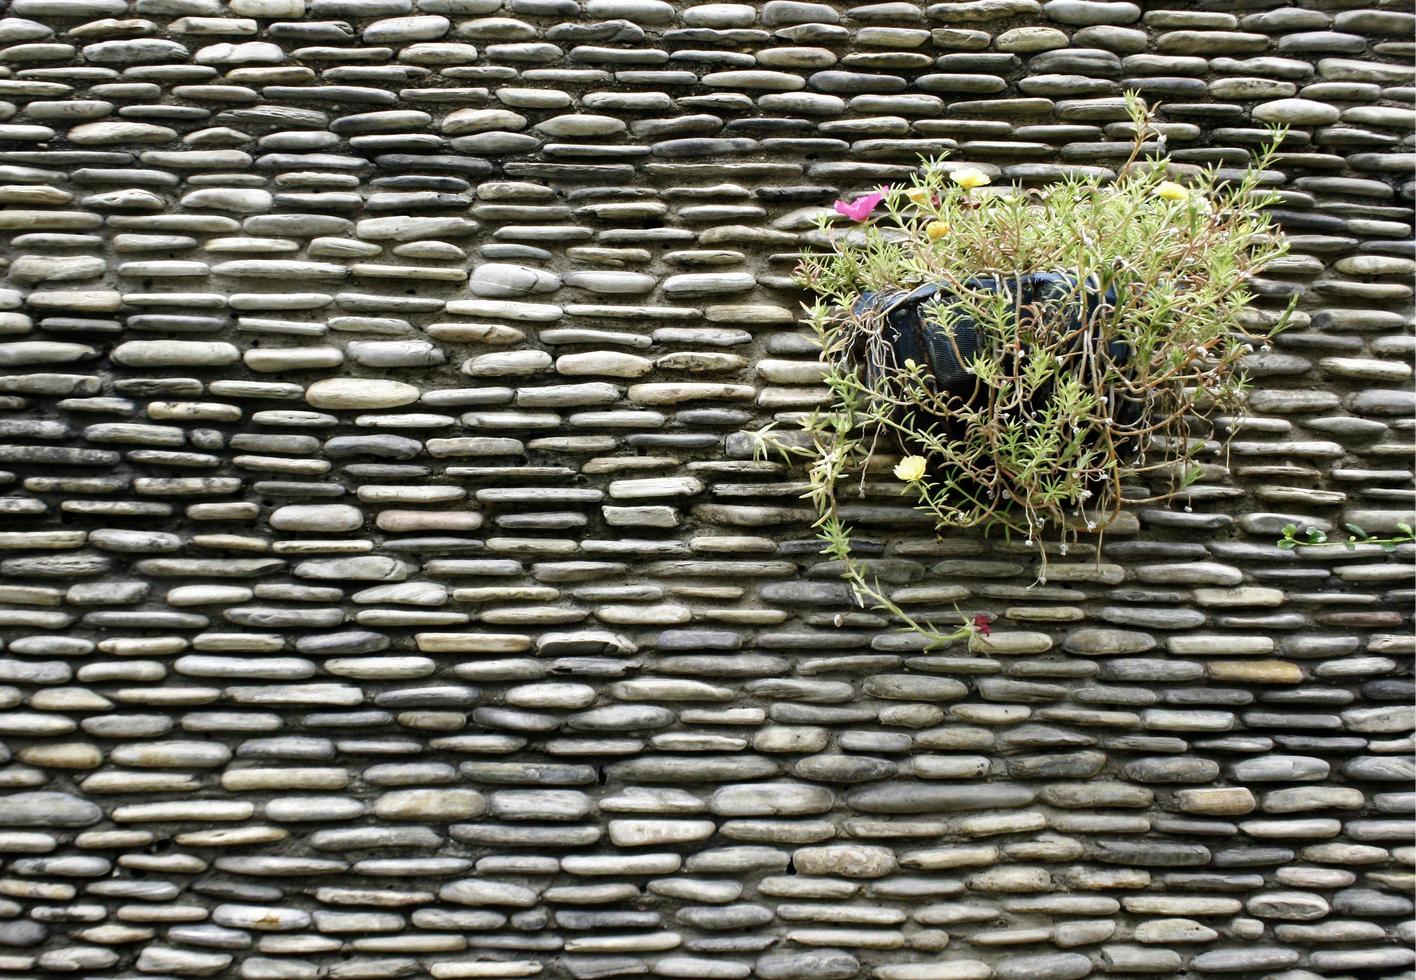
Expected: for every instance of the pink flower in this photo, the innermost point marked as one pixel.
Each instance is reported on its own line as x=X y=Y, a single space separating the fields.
x=860 y=208
x=980 y=623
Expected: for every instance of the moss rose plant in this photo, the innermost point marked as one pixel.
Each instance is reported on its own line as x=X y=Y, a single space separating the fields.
x=1067 y=402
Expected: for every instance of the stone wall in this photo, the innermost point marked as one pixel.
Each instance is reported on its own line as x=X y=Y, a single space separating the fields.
x=389 y=589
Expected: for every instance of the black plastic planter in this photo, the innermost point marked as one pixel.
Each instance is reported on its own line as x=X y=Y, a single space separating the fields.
x=910 y=333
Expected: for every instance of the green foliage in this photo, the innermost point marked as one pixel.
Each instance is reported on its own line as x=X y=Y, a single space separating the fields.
x=1311 y=537
x=1055 y=428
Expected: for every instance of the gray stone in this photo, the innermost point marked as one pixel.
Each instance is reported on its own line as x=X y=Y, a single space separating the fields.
x=1048 y=966
x=816 y=964
x=905 y=797
x=394 y=585
x=47 y=809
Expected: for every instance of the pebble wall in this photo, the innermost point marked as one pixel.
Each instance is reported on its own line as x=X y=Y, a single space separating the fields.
x=389 y=589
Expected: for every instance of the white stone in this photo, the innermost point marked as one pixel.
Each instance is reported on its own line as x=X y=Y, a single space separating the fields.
x=360 y=393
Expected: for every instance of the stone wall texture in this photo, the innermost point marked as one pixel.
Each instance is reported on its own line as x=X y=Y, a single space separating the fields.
x=389 y=589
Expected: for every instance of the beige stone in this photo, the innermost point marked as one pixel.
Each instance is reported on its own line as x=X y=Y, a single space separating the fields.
x=360 y=393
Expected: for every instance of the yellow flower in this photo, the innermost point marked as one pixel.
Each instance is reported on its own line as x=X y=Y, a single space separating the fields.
x=936 y=230
x=970 y=177
x=918 y=195
x=910 y=469
x=1171 y=191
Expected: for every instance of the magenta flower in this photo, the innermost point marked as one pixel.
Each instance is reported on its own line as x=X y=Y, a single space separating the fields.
x=860 y=208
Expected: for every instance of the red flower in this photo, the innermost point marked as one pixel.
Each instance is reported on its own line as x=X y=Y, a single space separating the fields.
x=980 y=623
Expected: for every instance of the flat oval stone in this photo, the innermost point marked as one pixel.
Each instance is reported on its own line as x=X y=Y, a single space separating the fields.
x=1296 y=112
x=771 y=799
x=324 y=518
x=175 y=353
x=360 y=393
x=907 y=797
x=47 y=809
